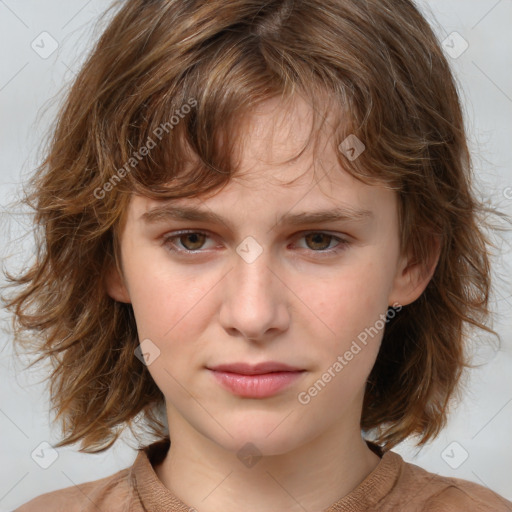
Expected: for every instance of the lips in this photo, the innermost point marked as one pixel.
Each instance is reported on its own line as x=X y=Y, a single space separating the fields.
x=256 y=369
x=255 y=381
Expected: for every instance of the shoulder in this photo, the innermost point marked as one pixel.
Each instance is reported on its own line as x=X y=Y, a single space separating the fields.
x=418 y=489
x=113 y=493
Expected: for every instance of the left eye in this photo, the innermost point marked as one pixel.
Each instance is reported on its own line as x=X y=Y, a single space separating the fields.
x=193 y=241
x=321 y=240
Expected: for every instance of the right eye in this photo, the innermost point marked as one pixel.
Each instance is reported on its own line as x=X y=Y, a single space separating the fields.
x=191 y=241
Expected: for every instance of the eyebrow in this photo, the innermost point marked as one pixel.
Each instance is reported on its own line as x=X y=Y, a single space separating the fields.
x=193 y=213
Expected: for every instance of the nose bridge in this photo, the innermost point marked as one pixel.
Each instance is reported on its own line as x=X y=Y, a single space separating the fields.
x=253 y=303
x=252 y=276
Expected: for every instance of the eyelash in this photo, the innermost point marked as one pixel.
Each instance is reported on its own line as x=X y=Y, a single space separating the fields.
x=167 y=242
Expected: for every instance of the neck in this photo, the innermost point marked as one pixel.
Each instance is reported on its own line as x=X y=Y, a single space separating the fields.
x=310 y=477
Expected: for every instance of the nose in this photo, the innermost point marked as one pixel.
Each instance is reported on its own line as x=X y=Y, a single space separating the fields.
x=255 y=301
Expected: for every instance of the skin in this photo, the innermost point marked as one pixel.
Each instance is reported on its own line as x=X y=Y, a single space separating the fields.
x=297 y=303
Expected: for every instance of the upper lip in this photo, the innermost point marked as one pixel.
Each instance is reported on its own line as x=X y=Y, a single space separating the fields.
x=255 y=369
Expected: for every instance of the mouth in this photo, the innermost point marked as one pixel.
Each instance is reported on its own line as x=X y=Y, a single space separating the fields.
x=255 y=381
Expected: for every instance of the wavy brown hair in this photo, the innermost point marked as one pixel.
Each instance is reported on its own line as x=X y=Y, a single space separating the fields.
x=376 y=66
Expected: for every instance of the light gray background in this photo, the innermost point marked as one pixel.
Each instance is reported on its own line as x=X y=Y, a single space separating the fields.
x=481 y=425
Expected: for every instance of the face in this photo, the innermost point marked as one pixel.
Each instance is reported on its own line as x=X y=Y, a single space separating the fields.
x=264 y=280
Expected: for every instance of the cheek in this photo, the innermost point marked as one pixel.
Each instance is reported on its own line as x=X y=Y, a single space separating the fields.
x=344 y=355
x=167 y=302
x=173 y=309
x=352 y=300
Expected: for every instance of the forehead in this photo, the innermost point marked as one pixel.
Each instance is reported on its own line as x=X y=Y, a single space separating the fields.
x=257 y=198
x=278 y=133
x=284 y=162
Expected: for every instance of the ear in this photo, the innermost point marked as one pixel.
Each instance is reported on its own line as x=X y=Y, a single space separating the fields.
x=412 y=277
x=115 y=285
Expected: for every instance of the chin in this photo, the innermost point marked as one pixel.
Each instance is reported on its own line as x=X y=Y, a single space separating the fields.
x=264 y=438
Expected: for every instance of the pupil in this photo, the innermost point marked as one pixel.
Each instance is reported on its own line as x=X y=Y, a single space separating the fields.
x=315 y=237
x=195 y=239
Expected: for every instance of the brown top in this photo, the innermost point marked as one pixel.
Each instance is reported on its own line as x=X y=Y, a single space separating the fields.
x=394 y=485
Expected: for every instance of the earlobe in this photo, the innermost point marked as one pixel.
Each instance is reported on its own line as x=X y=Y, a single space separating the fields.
x=412 y=277
x=115 y=285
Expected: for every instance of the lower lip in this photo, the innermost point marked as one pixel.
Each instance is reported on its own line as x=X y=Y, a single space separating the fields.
x=256 y=386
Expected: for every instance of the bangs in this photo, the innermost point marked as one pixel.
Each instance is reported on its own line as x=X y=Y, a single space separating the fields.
x=181 y=130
